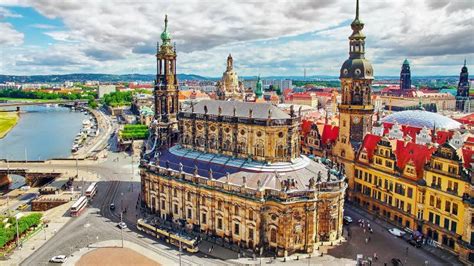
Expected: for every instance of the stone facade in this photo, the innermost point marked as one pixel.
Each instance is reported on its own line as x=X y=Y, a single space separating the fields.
x=271 y=139
x=279 y=220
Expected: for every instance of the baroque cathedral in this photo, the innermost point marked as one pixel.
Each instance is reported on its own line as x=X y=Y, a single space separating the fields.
x=232 y=170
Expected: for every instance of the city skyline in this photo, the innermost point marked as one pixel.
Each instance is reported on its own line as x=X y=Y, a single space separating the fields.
x=264 y=38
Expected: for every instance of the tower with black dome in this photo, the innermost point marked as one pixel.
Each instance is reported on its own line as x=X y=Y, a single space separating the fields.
x=166 y=91
x=405 y=76
x=462 y=94
x=356 y=108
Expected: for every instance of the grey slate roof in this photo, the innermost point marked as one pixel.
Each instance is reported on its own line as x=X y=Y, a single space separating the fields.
x=259 y=110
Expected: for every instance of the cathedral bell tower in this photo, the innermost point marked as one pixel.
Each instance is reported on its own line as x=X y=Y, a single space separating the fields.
x=166 y=90
x=356 y=108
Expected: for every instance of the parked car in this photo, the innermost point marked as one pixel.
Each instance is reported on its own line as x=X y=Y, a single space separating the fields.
x=347 y=220
x=122 y=225
x=58 y=259
x=396 y=262
x=396 y=232
x=112 y=206
x=414 y=243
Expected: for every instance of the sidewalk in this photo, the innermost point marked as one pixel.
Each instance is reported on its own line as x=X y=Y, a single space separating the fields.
x=56 y=222
x=233 y=257
x=434 y=251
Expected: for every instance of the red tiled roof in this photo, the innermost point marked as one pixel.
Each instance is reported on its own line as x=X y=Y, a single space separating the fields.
x=468 y=119
x=418 y=154
x=467 y=157
x=330 y=133
x=369 y=144
x=386 y=127
x=443 y=136
x=470 y=140
x=306 y=127
x=410 y=131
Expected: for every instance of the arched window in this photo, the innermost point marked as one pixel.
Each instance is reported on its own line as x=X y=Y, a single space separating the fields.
x=259 y=150
x=280 y=151
x=273 y=235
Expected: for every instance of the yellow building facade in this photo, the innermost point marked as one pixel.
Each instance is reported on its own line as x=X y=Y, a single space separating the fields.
x=434 y=199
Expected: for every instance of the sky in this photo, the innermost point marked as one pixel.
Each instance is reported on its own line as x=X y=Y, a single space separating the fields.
x=272 y=37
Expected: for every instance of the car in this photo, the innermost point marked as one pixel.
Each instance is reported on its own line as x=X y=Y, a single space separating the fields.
x=58 y=259
x=414 y=243
x=396 y=262
x=112 y=206
x=122 y=225
x=347 y=219
x=396 y=232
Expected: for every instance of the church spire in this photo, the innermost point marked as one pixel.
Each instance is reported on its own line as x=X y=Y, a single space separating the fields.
x=166 y=36
x=357 y=10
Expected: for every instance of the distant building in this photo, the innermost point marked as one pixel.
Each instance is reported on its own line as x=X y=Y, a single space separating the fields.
x=305 y=98
x=463 y=99
x=405 y=76
x=229 y=87
x=105 y=89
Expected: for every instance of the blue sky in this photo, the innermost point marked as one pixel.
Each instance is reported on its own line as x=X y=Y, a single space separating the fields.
x=34 y=25
x=268 y=37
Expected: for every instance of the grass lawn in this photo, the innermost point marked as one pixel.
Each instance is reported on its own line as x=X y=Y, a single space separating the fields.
x=27 y=100
x=7 y=121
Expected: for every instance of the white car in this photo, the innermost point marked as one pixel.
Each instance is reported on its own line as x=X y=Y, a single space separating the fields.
x=396 y=232
x=58 y=259
x=122 y=225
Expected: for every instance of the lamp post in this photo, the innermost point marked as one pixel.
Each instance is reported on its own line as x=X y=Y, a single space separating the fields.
x=17 y=233
x=179 y=254
x=121 y=227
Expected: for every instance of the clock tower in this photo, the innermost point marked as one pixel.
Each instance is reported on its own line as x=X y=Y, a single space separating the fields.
x=356 y=108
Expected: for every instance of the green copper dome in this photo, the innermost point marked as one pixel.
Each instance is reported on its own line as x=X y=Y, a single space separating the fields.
x=406 y=62
x=166 y=36
x=258 y=90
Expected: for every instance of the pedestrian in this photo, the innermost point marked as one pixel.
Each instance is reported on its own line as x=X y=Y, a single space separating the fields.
x=364 y=230
x=371 y=230
x=375 y=256
x=366 y=240
x=368 y=225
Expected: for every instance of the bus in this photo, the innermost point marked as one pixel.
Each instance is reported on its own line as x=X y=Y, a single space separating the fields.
x=78 y=206
x=188 y=243
x=91 y=190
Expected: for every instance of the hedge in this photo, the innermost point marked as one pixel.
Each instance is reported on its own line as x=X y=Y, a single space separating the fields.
x=24 y=223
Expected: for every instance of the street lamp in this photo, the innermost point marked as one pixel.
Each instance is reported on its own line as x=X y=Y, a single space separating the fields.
x=121 y=227
x=180 y=251
x=17 y=233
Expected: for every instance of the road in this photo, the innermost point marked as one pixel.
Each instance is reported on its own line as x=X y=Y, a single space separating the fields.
x=385 y=245
x=99 y=224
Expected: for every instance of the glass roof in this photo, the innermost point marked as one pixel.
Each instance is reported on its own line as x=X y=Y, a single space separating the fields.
x=420 y=118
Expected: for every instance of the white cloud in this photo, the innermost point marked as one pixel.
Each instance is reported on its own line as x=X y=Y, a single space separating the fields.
x=9 y=36
x=120 y=36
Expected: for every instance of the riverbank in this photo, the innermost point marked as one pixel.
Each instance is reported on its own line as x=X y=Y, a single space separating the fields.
x=26 y=100
x=8 y=120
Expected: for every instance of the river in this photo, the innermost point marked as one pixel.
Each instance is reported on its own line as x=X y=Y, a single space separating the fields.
x=42 y=133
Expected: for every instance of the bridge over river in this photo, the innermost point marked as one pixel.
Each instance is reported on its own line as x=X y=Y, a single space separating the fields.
x=26 y=103
x=31 y=177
